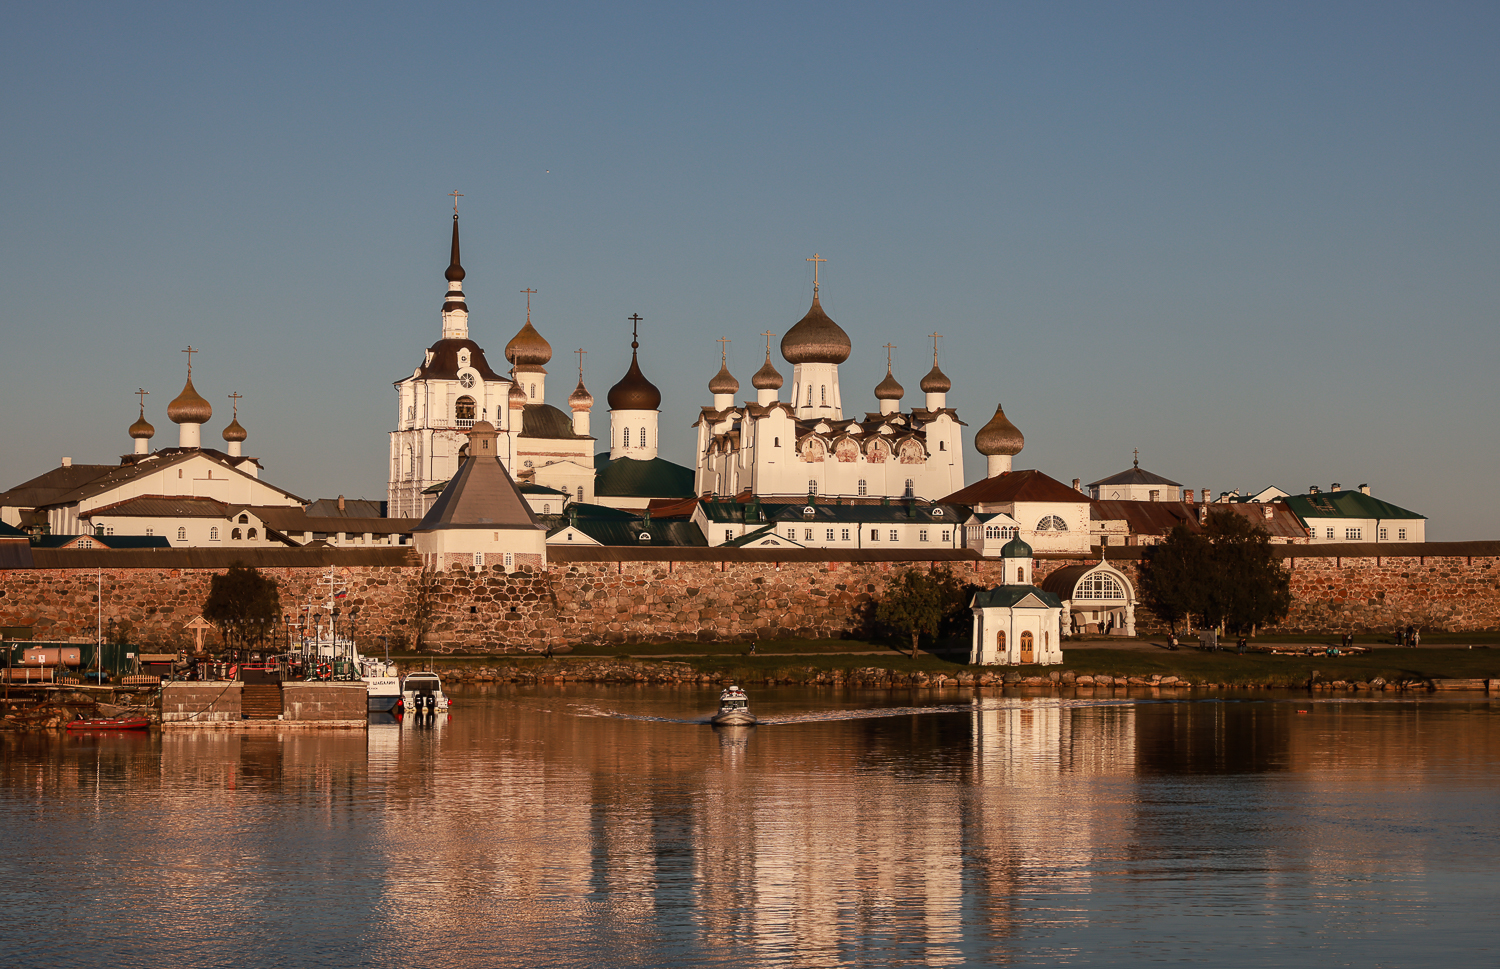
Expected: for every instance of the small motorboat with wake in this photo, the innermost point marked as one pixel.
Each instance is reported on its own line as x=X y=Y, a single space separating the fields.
x=423 y=693
x=734 y=709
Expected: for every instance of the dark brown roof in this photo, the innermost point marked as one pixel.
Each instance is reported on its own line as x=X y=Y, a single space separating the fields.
x=767 y=377
x=1062 y=581
x=723 y=382
x=936 y=382
x=528 y=350
x=634 y=391
x=162 y=506
x=115 y=476
x=1135 y=476
x=481 y=494
x=455 y=273
x=286 y=520
x=46 y=488
x=444 y=365
x=564 y=554
x=889 y=388
x=1160 y=517
x=815 y=339
x=1014 y=486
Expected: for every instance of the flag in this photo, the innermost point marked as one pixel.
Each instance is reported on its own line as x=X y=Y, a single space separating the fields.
x=341 y=593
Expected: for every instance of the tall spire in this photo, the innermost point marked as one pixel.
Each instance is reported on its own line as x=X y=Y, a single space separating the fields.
x=455 y=306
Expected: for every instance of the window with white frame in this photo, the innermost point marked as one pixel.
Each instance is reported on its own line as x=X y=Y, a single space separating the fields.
x=510 y=561
x=1400 y=534
x=1329 y=533
x=830 y=535
x=182 y=534
x=213 y=534
x=1052 y=523
x=807 y=534
x=894 y=537
x=643 y=437
x=792 y=534
x=922 y=535
x=874 y=534
x=812 y=486
x=845 y=535
x=84 y=543
x=1098 y=585
x=911 y=487
x=478 y=560
x=625 y=437
x=946 y=535
x=863 y=487
x=728 y=534
x=1384 y=537
x=148 y=531
x=1352 y=534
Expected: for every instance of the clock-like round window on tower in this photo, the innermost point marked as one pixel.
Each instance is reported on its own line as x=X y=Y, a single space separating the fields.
x=467 y=380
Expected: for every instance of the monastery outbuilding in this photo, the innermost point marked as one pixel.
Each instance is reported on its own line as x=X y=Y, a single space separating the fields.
x=1016 y=623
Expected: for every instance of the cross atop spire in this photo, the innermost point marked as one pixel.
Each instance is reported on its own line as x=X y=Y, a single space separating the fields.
x=142 y=395
x=635 y=330
x=1138 y=457
x=529 y=293
x=936 y=336
x=580 y=351
x=768 y=334
x=236 y=397
x=724 y=349
x=888 y=348
x=189 y=351
x=815 y=260
x=456 y=196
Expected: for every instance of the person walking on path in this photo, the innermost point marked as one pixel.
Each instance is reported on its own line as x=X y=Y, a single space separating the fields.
x=1416 y=638
x=1241 y=645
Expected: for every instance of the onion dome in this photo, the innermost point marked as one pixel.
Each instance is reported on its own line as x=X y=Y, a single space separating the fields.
x=580 y=398
x=527 y=350
x=189 y=407
x=1015 y=549
x=142 y=429
x=455 y=273
x=936 y=382
x=723 y=382
x=517 y=396
x=767 y=377
x=889 y=389
x=815 y=339
x=234 y=432
x=634 y=391
x=999 y=436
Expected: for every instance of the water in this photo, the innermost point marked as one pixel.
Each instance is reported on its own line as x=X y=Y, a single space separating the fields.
x=583 y=826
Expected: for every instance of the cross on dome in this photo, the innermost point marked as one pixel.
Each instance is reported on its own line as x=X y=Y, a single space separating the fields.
x=936 y=336
x=529 y=293
x=635 y=334
x=580 y=351
x=888 y=348
x=236 y=397
x=189 y=351
x=142 y=395
x=815 y=260
x=456 y=196
x=724 y=349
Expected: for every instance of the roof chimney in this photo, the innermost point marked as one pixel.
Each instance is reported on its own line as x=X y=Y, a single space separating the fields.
x=1364 y=489
x=1203 y=511
x=1314 y=490
x=1077 y=484
x=1335 y=487
x=1187 y=495
x=1205 y=496
x=1267 y=511
x=341 y=502
x=67 y=462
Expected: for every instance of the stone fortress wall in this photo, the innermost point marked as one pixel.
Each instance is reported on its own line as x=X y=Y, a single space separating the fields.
x=716 y=597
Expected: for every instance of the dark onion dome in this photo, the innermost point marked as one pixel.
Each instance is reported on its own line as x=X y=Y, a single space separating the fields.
x=234 y=432
x=141 y=428
x=634 y=391
x=189 y=407
x=936 y=382
x=580 y=398
x=527 y=350
x=999 y=436
x=723 y=382
x=889 y=389
x=455 y=273
x=1015 y=549
x=767 y=377
x=815 y=339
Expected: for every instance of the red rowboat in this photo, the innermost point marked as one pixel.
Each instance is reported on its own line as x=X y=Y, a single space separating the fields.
x=111 y=723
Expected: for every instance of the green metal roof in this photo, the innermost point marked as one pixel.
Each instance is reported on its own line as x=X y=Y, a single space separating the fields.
x=1005 y=596
x=757 y=535
x=677 y=534
x=1345 y=504
x=629 y=478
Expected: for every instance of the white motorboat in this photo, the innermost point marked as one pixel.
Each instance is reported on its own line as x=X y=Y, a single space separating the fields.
x=734 y=709
x=422 y=693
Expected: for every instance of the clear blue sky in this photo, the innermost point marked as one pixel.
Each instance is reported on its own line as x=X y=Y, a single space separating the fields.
x=1256 y=241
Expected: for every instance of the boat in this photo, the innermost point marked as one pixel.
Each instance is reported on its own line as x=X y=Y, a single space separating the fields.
x=325 y=657
x=734 y=709
x=422 y=693
x=111 y=723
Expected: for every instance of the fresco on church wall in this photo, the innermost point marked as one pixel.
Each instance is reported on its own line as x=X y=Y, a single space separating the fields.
x=911 y=453
x=813 y=451
x=847 y=451
x=878 y=452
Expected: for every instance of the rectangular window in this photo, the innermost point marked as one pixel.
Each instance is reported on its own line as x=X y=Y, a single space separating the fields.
x=830 y=535
x=148 y=531
x=1400 y=534
x=807 y=534
x=792 y=534
x=510 y=561
x=1330 y=532
x=893 y=536
x=945 y=536
x=1384 y=537
x=845 y=535
x=1351 y=534
x=478 y=560
x=728 y=534
x=874 y=534
x=922 y=535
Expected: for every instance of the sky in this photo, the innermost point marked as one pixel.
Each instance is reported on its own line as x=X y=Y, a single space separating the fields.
x=1257 y=242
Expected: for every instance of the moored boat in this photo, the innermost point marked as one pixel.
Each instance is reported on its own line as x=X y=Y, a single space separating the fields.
x=734 y=709
x=110 y=723
x=423 y=693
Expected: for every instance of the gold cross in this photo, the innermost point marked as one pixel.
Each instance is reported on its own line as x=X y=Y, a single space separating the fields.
x=190 y=351
x=768 y=334
x=142 y=395
x=888 y=348
x=1138 y=457
x=529 y=293
x=815 y=260
x=236 y=397
x=936 y=336
x=580 y=351
x=635 y=335
x=724 y=350
x=456 y=197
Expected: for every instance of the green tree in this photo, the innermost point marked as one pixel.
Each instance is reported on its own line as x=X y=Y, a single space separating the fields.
x=1176 y=583
x=913 y=604
x=244 y=605
x=1252 y=588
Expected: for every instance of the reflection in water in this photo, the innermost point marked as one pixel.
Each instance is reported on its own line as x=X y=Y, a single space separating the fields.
x=589 y=825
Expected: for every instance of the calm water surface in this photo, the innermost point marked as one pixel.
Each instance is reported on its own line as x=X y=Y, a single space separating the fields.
x=582 y=826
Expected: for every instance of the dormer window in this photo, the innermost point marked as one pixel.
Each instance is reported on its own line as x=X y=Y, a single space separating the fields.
x=645 y=536
x=937 y=513
x=808 y=512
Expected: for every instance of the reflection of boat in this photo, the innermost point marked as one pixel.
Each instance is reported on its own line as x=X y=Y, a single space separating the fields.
x=111 y=723
x=423 y=693
x=734 y=709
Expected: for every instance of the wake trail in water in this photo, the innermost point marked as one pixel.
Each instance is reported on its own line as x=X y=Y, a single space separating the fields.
x=870 y=713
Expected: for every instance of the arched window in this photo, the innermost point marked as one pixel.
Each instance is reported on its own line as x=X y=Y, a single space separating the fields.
x=942 y=445
x=1051 y=524
x=533 y=392
x=235 y=535
x=991 y=531
x=643 y=437
x=1020 y=576
x=213 y=534
x=1098 y=585
x=463 y=411
x=1000 y=640
x=626 y=441
x=809 y=395
x=863 y=488
x=182 y=534
x=824 y=389
x=580 y=492
x=776 y=442
x=546 y=509
x=645 y=536
x=244 y=519
x=251 y=534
